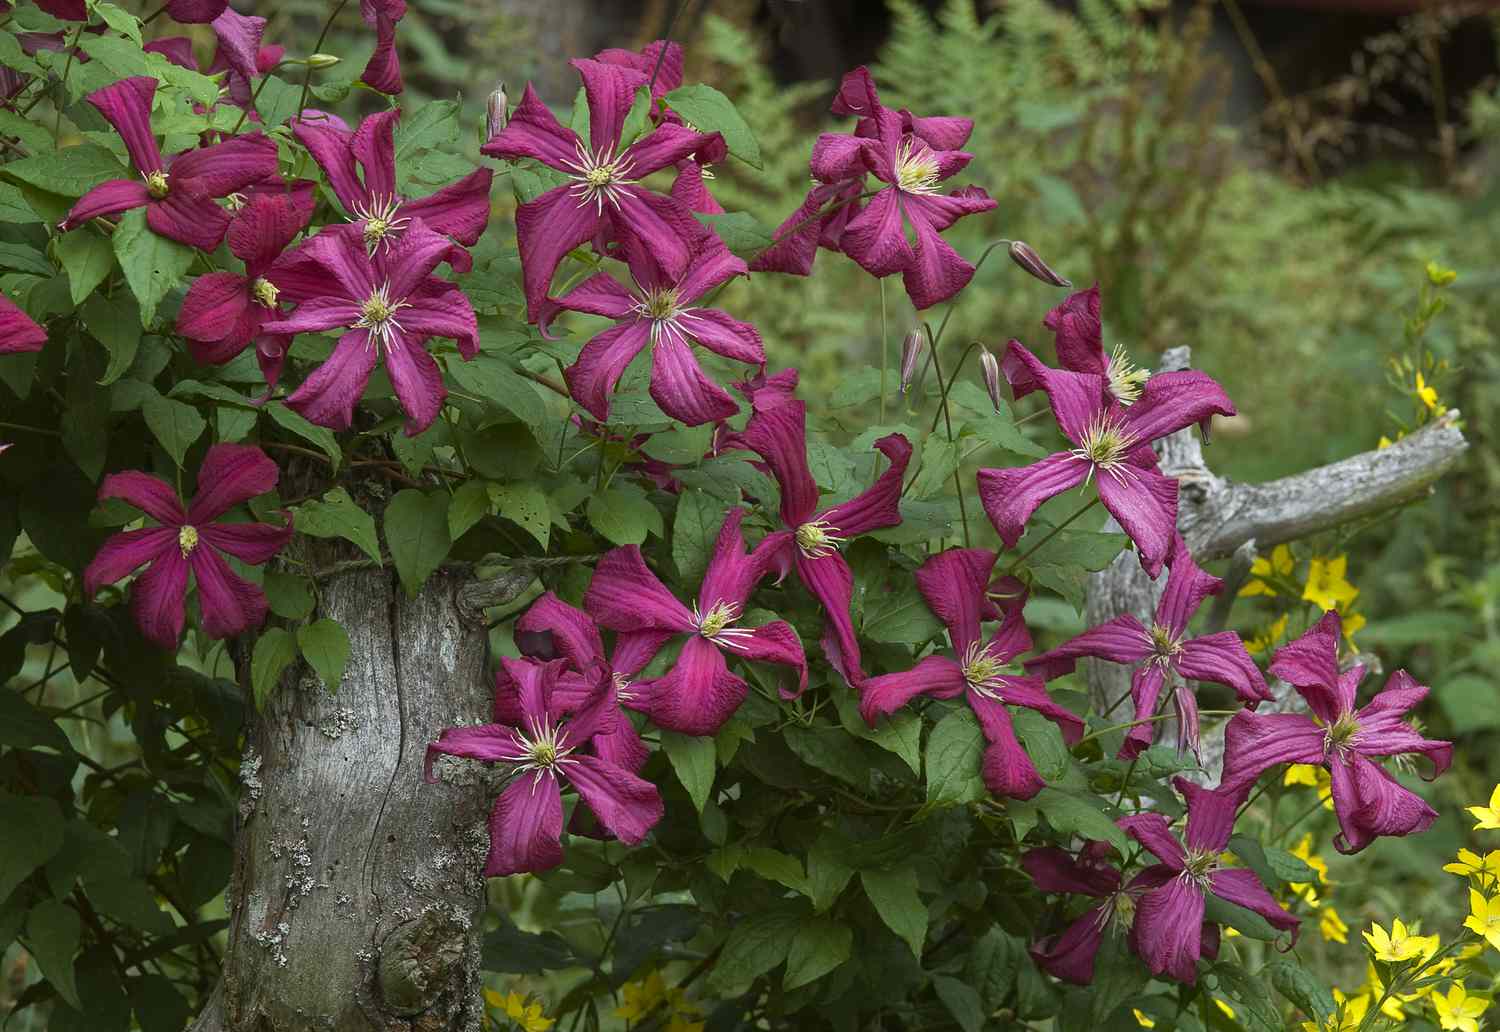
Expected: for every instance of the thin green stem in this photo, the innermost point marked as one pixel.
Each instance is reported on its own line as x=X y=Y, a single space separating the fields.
x=1048 y=537
x=958 y=484
x=885 y=351
x=317 y=49
x=1149 y=720
x=30 y=429
x=254 y=105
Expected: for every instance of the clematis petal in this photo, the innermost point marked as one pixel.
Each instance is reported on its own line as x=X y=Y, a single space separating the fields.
x=1211 y=813
x=610 y=90
x=1383 y=732
x=627 y=806
x=698 y=694
x=1077 y=399
x=214 y=308
x=374 y=147
x=875 y=238
x=534 y=132
x=1080 y=333
x=266 y=227
x=329 y=146
x=776 y=642
x=1070 y=955
x=126 y=105
x=1146 y=683
x=936 y=272
x=1153 y=831
x=239 y=38
x=731 y=574
x=796 y=239
x=417 y=380
x=1187 y=586
x=1222 y=659
x=690 y=189
x=1006 y=768
x=442 y=309
x=1370 y=803
x=1058 y=871
x=152 y=495
x=662 y=57
x=404 y=267
x=1255 y=742
x=252 y=543
x=196 y=12
x=1010 y=496
x=1168 y=929
x=1121 y=640
x=665 y=145
x=1144 y=502
x=649 y=223
x=953 y=585
x=880 y=505
x=1241 y=887
x=600 y=294
x=681 y=388
x=188 y=218
x=635 y=649
x=723 y=335
x=460 y=210
x=592 y=378
x=626 y=596
x=1310 y=665
x=108 y=198
x=383 y=71
x=836 y=156
x=829 y=580
x=622 y=746
x=489 y=743
x=230 y=474
x=526 y=826
x=157 y=599
x=939 y=211
x=1029 y=693
x=124 y=553
x=328 y=396
x=18 y=332
x=779 y=436
x=1174 y=400
x=223 y=168
x=942 y=132
x=315 y=316
x=937 y=676
x=573 y=633
x=547 y=228
x=230 y=604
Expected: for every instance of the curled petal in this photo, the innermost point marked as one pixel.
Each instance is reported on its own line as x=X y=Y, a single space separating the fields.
x=779 y=436
x=1255 y=742
x=1080 y=332
x=1121 y=640
x=937 y=676
x=460 y=210
x=698 y=694
x=1168 y=929
x=18 y=332
x=383 y=71
x=188 y=218
x=124 y=553
x=328 y=396
x=936 y=272
x=526 y=826
x=1010 y=496
x=1058 y=871
x=626 y=596
x=149 y=494
x=1070 y=955
x=223 y=168
x=953 y=584
x=329 y=146
x=1211 y=813
x=875 y=238
x=1145 y=692
x=1370 y=803
x=108 y=198
x=1144 y=502
x=610 y=90
x=547 y=228
x=1173 y=401
x=603 y=360
x=627 y=806
x=1029 y=693
x=573 y=633
x=1153 y=831
x=1006 y=768
x=681 y=388
x=880 y=505
x=1241 y=887
x=487 y=743
x=1311 y=665
x=1384 y=733
x=723 y=335
x=157 y=599
x=829 y=580
x=215 y=309
x=534 y=132
x=1077 y=399
x=776 y=642
x=1222 y=659
x=126 y=105
x=252 y=543
x=665 y=145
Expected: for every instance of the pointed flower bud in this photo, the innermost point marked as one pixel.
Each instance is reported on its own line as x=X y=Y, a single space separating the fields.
x=323 y=60
x=990 y=367
x=1022 y=254
x=495 y=111
x=911 y=353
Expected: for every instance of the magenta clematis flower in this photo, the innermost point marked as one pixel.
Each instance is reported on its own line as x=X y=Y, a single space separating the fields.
x=390 y=305
x=177 y=49
x=178 y=194
x=1367 y=800
x=1080 y=349
x=224 y=311
x=699 y=693
x=604 y=201
x=241 y=55
x=811 y=539
x=1111 y=440
x=954 y=585
x=383 y=71
x=67 y=10
x=196 y=12
x=191 y=539
x=18 y=332
x=660 y=313
x=1162 y=651
x=1168 y=929
x=378 y=214
x=543 y=745
x=553 y=629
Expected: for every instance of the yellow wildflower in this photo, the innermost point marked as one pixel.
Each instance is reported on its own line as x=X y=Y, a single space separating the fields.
x=527 y=1016
x=1440 y=275
x=1469 y=864
x=1263 y=570
x=1326 y=584
x=1353 y=623
x=1384 y=442
x=1487 y=818
x=1458 y=1011
x=1314 y=776
x=1332 y=926
x=640 y=998
x=1484 y=917
x=1228 y=1010
x=1347 y=1018
x=1394 y=1005
x=1142 y=1019
x=1272 y=634
x=1400 y=945
x=1428 y=395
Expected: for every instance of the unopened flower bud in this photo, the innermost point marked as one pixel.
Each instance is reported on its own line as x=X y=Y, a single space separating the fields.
x=1022 y=254
x=323 y=60
x=911 y=354
x=495 y=112
x=990 y=367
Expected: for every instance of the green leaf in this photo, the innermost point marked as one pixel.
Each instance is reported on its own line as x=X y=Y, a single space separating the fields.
x=1077 y=814
x=494 y=382
x=512 y=951
x=1044 y=744
x=894 y=895
x=22 y=854
x=741 y=232
x=899 y=616
x=158 y=1006
x=416 y=531
x=176 y=425
x=1089 y=549
x=638 y=119
x=712 y=112
x=337 y=516
x=275 y=650
x=962 y=1001
x=1245 y=921
x=624 y=515
x=88 y=258
x=153 y=265
x=1118 y=976
x=115 y=323
x=1300 y=986
x=85 y=420
x=526 y=505
x=434 y=124
x=1255 y=1009
x=900 y=732
x=121 y=21
x=53 y=930
x=755 y=946
x=289 y=595
x=954 y=749
x=1270 y=864
x=325 y=646
x=827 y=875
x=318 y=435
x=469 y=504
x=819 y=945
x=693 y=759
x=991 y=966
x=276 y=100
x=694 y=531
x=940 y=460
x=70 y=172
x=831 y=750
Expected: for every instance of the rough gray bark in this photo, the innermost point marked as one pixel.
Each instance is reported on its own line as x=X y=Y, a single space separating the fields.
x=1220 y=518
x=358 y=890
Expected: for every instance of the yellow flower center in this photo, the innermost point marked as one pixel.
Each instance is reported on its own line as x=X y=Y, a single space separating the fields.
x=1199 y=865
x=598 y=177
x=265 y=292
x=1105 y=445
x=982 y=670
x=660 y=305
x=378 y=315
x=1164 y=645
x=156 y=184
x=381 y=221
x=818 y=539
x=717 y=625
x=542 y=749
x=917 y=168
x=622 y=687
x=1125 y=380
x=1341 y=734
x=187 y=540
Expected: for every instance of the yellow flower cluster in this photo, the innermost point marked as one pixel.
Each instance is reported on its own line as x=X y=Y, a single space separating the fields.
x=645 y=996
x=1326 y=586
x=518 y=1011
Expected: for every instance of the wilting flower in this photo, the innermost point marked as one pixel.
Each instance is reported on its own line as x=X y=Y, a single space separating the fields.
x=810 y=540
x=1458 y=1011
x=383 y=71
x=390 y=306
x=224 y=311
x=553 y=629
x=178 y=194
x=1164 y=650
x=1079 y=335
x=191 y=539
x=1399 y=944
x=18 y=332
x=361 y=168
x=1112 y=441
x=954 y=584
x=543 y=747
x=699 y=693
x=603 y=201
x=1367 y=800
x=659 y=313
x=1070 y=954
x=1168 y=928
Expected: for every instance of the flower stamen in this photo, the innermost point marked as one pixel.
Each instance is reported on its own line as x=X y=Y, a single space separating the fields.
x=818 y=539
x=265 y=292
x=157 y=185
x=187 y=540
x=1126 y=380
x=716 y=625
x=1104 y=446
x=378 y=315
x=382 y=225
x=598 y=177
x=917 y=170
x=1165 y=646
x=1342 y=735
x=983 y=671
